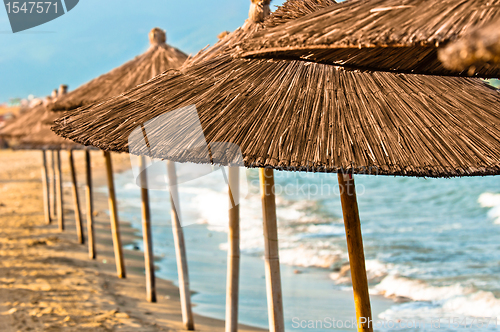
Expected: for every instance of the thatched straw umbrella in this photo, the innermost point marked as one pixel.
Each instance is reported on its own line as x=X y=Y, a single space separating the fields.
x=17 y=127
x=478 y=48
x=40 y=137
x=389 y=35
x=157 y=59
x=301 y=116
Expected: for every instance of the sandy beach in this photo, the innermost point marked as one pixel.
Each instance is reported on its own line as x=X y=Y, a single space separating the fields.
x=47 y=281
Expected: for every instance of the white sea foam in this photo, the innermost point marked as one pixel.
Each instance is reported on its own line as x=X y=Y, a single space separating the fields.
x=309 y=256
x=307 y=240
x=434 y=301
x=489 y=200
x=375 y=271
x=492 y=201
x=395 y=286
x=303 y=235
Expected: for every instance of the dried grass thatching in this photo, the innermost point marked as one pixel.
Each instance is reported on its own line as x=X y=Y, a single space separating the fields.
x=40 y=136
x=31 y=130
x=478 y=48
x=296 y=115
x=294 y=9
x=388 y=35
x=157 y=59
x=21 y=125
x=228 y=41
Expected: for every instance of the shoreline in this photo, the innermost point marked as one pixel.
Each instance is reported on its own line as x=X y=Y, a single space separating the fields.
x=66 y=289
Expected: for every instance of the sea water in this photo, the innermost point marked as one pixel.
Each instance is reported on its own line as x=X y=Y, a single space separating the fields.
x=432 y=248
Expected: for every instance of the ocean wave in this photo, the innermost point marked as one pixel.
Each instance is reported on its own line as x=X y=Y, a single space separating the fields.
x=416 y=290
x=375 y=272
x=435 y=301
x=304 y=256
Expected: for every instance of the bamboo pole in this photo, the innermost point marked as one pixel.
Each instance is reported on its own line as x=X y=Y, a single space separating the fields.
x=90 y=205
x=146 y=234
x=46 y=189
x=356 y=252
x=54 y=185
x=272 y=263
x=180 y=251
x=76 y=201
x=59 y=191
x=233 y=253
x=115 y=229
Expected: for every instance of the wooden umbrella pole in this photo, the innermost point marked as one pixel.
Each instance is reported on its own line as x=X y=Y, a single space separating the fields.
x=46 y=190
x=76 y=201
x=90 y=205
x=54 y=185
x=180 y=251
x=147 y=234
x=59 y=191
x=233 y=253
x=356 y=252
x=113 y=210
x=272 y=264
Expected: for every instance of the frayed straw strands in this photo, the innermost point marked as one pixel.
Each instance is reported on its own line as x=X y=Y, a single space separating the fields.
x=41 y=137
x=294 y=9
x=389 y=35
x=478 y=48
x=31 y=131
x=159 y=58
x=20 y=126
x=295 y=115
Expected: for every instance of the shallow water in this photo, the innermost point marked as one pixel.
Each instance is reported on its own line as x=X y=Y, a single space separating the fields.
x=433 y=242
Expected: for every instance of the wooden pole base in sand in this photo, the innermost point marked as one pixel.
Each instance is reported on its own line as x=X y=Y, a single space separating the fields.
x=76 y=201
x=89 y=205
x=272 y=263
x=59 y=192
x=46 y=190
x=147 y=234
x=233 y=253
x=113 y=211
x=180 y=252
x=356 y=252
x=53 y=186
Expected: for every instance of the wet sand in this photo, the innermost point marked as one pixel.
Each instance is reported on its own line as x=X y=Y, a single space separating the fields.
x=47 y=281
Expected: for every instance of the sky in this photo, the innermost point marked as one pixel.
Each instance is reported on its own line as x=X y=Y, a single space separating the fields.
x=99 y=35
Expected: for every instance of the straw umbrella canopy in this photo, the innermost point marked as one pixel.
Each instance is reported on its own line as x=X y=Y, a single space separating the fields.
x=24 y=124
x=389 y=35
x=39 y=136
x=293 y=115
x=301 y=116
x=158 y=58
x=478 y=48
x=20 y=125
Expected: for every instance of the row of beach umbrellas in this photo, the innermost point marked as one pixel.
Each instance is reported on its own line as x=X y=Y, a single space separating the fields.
x=360 y=87
x=36 y=135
